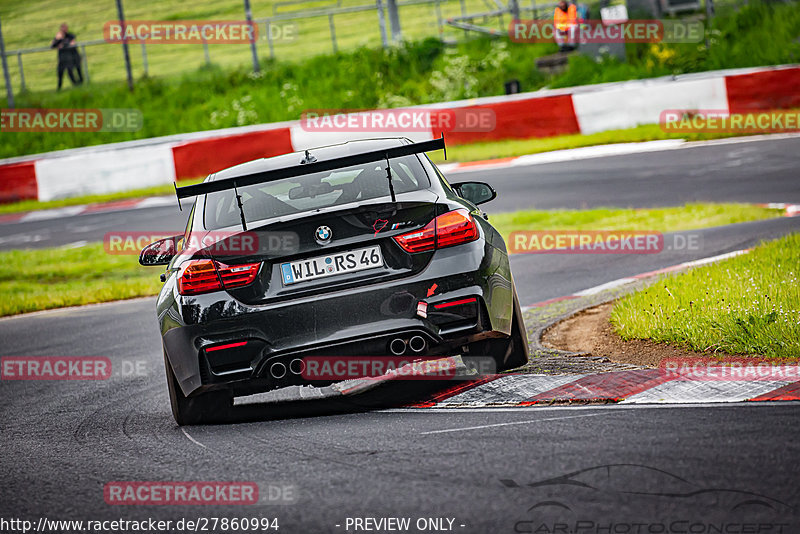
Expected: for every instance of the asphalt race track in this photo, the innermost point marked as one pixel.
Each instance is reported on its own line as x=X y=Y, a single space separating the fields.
x=604 y=468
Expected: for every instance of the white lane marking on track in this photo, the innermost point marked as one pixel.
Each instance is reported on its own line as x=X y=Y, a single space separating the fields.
x=185 y=433
x=75 y=244
x=494 y=425
x=454 y=410
x=603 y=287
x=725 y=256
x=19 y=239
x=52 y=213
x=155 y=202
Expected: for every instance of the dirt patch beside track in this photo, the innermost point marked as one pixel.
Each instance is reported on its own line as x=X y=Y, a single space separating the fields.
x=590 y=332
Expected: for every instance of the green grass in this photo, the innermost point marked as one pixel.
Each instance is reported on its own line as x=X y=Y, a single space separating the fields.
x=190 y=98
x=748 y=305
x=33 y=280
x=670 y=219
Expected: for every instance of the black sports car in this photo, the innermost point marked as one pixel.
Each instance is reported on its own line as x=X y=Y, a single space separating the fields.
x=357 y=249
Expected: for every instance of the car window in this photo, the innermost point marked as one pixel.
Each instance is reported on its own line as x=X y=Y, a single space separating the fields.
x=187 y=231
x=314 y=191
x=444 y=181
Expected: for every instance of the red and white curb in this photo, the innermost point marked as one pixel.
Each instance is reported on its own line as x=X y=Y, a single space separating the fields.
x=88 y=209
x=560 y=156
x=642 y=386
x=790 y=210
x=601 y=151
x=645 y=386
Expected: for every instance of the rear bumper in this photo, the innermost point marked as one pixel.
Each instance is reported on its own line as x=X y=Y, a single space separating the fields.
x=340 y=323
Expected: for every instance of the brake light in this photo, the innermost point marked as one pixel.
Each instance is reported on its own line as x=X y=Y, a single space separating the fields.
x=447 y=230
x=238 y=275
x=198 y=276
x=419 y=240
x=454 y=228
x=205 y=276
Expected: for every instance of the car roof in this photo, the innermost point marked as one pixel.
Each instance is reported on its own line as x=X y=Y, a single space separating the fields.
x=321 y=153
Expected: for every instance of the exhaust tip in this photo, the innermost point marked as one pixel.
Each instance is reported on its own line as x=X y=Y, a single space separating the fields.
x=297 y=366
x=397 y=346
x=277 y=370
x=417 y=344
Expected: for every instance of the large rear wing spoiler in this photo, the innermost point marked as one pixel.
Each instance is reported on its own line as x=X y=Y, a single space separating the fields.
x=308 y=168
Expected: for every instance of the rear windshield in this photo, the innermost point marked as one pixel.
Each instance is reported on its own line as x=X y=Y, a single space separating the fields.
x=314 y=191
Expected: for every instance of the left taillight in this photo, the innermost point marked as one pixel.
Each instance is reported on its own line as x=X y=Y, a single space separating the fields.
x=205 y=276
x=447 y=230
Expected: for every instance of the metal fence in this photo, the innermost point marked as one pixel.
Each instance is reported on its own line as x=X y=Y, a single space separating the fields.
x=290 y=32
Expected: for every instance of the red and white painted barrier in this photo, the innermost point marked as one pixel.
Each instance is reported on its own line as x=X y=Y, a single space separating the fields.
x=585 y=109
x=109 y=171
x=641 y=102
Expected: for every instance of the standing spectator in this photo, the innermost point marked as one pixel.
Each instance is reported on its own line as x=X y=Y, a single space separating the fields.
x=565 y=19
x=583 y=12
x=68 y=57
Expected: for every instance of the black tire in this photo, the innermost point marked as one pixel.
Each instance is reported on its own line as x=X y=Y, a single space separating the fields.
x=212 y=407
x=513 y=351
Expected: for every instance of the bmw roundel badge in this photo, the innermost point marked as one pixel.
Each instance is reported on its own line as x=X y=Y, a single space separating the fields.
x=323 y=234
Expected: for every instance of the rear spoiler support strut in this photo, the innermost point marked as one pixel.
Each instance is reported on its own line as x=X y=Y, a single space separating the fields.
x=241 y=209
x=307 y=168
x=389 y=177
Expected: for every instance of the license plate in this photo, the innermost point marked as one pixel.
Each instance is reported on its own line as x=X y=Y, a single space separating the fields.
x=331 y=265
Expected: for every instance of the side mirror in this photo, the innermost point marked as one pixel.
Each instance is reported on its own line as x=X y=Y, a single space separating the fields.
x=475 y=192
x=159 y=252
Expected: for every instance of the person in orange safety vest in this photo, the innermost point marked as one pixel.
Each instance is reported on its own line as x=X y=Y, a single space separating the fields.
x=565 y=22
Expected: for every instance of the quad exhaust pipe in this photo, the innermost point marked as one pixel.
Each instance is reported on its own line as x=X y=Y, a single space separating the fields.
x=416 y=344
x=277 y=370
x=397 y=346
x=296 y=367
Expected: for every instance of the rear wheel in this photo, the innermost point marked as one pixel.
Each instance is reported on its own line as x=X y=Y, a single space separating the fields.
x=211 y=407
x=511 y=352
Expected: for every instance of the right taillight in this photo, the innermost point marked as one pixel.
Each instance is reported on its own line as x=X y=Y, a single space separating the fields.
x=449 y=229
x=205 y=276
